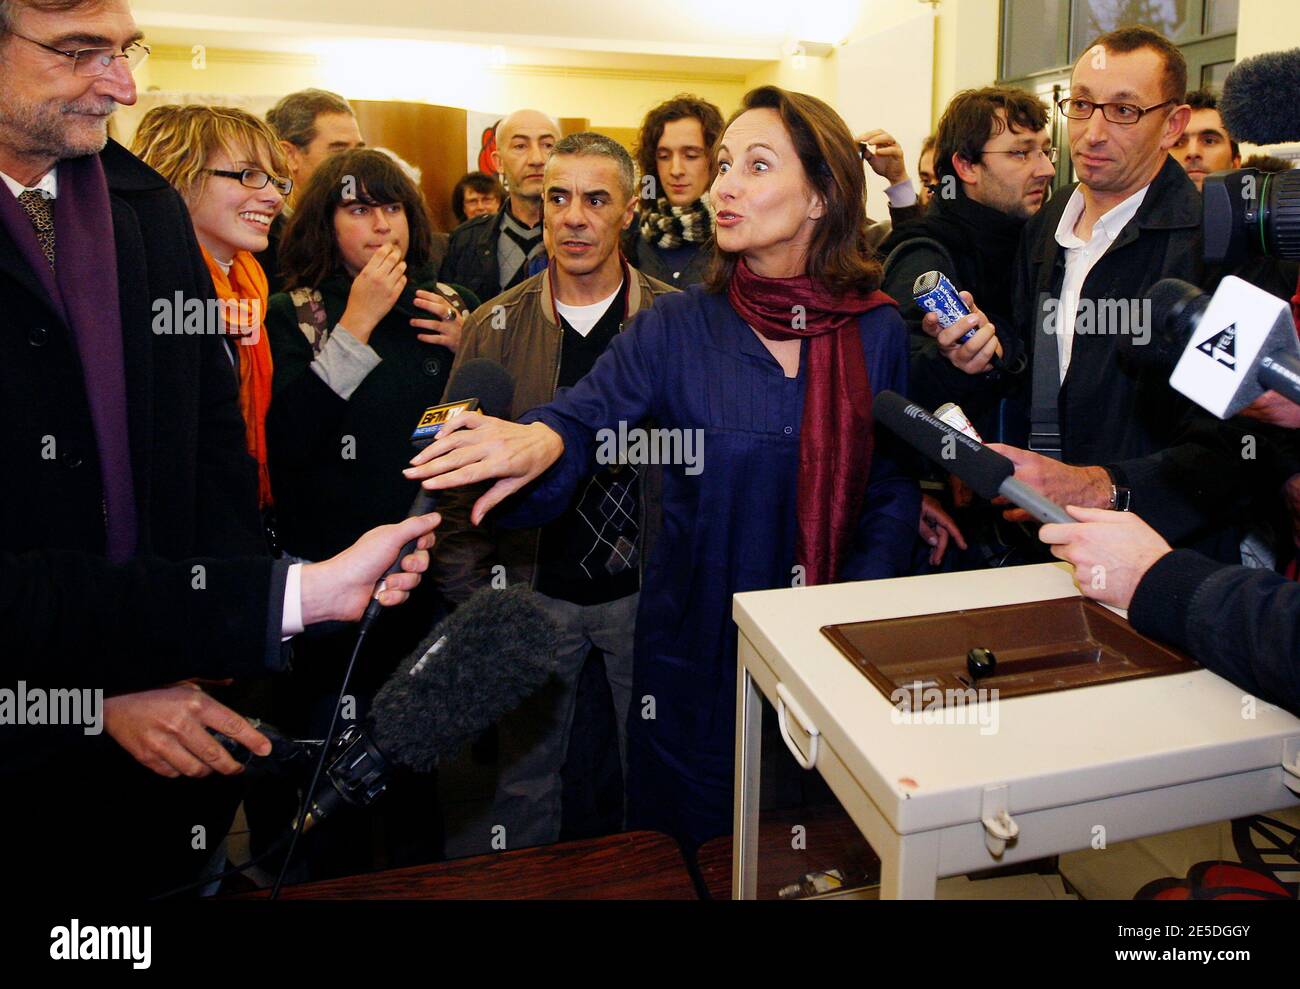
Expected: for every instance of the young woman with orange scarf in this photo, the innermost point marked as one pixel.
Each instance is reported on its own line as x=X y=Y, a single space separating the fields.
x=229 y=168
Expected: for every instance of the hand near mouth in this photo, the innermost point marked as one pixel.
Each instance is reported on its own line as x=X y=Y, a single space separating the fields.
x=374 y=292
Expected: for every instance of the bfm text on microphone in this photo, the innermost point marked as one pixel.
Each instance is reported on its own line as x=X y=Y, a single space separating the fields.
x=478 y=384
x=988 y=474
x=1227 y=349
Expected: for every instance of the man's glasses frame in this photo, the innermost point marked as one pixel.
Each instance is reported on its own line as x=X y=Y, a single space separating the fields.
x=254 y=178
x=94 y=62
x=1138 y=112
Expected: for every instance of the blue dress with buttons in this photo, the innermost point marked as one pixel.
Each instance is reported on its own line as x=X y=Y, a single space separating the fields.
x=692 y=363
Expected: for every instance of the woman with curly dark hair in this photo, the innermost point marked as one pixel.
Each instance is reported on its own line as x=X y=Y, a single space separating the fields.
x=769 y=368
x=669 y=240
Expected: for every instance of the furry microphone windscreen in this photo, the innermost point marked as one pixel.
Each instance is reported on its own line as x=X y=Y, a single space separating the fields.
x=475 y=666
x=1259 y=98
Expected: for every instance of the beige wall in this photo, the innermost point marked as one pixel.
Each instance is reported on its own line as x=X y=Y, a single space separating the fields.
x=816 y=77
x=1267 y=26
x=965 y=49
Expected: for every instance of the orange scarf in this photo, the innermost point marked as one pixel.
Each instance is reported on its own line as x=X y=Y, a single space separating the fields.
x=244 y=291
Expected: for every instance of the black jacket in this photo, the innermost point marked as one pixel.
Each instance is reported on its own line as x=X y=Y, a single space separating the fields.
x=471 y=258
x=1114 y=411
x=645 y=257
x=336 y=466
x=192 y=473
x=325 y=495
x=978 y=256
x=1242 y=624
x=74 y=618
x=89 y=811
x=195 y=484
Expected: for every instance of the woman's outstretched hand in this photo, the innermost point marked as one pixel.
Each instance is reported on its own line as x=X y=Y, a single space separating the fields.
x=473 y=447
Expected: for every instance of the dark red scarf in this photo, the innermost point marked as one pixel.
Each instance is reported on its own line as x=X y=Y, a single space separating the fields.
x=835 y=442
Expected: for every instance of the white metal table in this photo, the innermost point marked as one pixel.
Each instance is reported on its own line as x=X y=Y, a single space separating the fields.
x=1061 y=771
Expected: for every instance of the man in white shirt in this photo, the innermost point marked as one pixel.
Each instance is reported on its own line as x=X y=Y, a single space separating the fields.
x=548 y=332
x=1085 y=266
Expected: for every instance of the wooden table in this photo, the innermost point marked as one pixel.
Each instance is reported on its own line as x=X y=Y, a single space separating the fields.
x=637 y=865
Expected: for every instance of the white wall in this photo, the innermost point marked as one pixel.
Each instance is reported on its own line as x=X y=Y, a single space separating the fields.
x=885 y=79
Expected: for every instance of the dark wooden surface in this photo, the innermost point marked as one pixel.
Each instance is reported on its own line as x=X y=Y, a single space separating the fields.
x=638 y=865
x=830 y=838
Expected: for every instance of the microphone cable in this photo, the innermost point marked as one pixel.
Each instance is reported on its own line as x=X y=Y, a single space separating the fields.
x=320 y=762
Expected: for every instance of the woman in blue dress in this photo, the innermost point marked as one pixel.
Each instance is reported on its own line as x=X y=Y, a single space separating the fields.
x=767 y=370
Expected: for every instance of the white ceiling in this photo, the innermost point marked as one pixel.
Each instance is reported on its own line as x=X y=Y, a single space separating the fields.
x=743 y=30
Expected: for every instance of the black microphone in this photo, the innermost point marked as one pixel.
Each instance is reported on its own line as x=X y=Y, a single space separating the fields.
x=1258 y=102
x=478 y=384
x=988 y=474
x=1226 y=349
x=476 y=665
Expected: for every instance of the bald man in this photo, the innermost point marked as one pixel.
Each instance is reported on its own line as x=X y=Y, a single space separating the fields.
x=492 y=253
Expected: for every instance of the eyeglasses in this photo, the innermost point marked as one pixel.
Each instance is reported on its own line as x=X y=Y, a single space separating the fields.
x=1023 y=156
x=254 y=178
x=1116 y=113
x=96 y=61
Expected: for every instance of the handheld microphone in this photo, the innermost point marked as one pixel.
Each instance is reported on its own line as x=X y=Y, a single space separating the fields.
x=1254 y=106
x=476 y=665
x=480 y=384
x=1228 y=349
x=934 y=292
x=987 y=473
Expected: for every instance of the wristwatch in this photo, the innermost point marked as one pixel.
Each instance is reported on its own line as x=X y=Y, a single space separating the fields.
x=1121 y=496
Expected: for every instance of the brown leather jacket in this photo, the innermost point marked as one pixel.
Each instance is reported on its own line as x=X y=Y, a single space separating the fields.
x=518 y=330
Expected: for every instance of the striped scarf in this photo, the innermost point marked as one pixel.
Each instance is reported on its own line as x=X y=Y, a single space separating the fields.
x=669 y=227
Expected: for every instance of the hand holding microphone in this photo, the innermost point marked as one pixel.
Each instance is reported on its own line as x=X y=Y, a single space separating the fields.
x=1110 y=551
x=479 y=383
x=964 y=334
x=1274 y=409
x=988 y=473
x=1061 y=483
x=341 y=588
x=1228 y=350
x=476 y=448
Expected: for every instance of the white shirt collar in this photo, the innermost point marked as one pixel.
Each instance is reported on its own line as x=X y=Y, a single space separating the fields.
x=49 y=184
x=1110 y=223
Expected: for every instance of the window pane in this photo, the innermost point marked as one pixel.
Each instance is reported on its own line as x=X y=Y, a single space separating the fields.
x=1212 y=76
x=1093 y=17
x=1034 y=31
x=1220 y=15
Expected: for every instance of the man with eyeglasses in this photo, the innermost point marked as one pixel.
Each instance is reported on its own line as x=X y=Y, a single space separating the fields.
x=1085 y=265
x=993 y=171
x=993 y=166
x=131 y=551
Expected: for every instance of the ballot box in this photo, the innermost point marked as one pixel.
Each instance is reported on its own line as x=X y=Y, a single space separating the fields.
x=975 y=721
